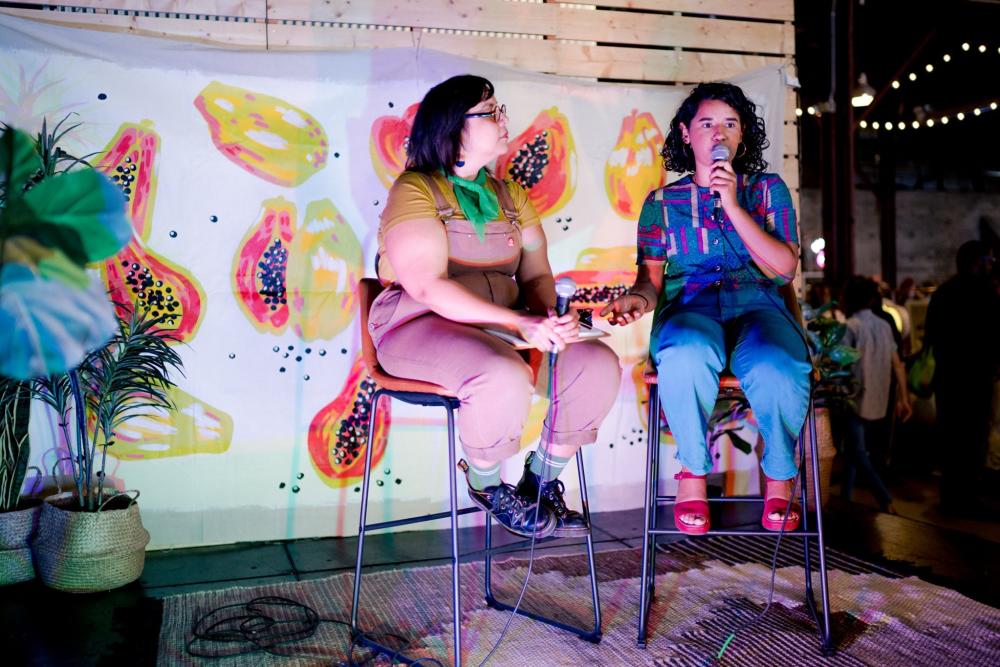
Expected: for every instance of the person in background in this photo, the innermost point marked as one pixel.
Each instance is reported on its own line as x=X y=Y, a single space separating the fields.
x=872 y=336
x=963 y=330
x=711 y=272
x=459 y=249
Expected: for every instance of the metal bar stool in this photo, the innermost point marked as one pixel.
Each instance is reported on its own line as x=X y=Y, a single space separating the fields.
x=416 y=392
x=729 y=388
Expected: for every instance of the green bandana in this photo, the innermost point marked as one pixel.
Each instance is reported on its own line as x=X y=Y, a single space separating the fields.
x=477 y=200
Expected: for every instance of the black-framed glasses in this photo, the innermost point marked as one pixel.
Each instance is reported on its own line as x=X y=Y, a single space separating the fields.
x=495 y=114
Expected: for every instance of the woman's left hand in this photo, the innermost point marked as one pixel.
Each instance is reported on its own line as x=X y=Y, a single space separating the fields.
x=722 y=179
x=568 y=325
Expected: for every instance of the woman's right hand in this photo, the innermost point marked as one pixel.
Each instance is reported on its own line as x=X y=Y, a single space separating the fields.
x=626 y=309
x=541 y=332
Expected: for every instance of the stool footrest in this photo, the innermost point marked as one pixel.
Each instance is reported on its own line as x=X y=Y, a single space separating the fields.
x=418 y=519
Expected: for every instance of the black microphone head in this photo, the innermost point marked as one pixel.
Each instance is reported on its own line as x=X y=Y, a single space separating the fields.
x=720 y=152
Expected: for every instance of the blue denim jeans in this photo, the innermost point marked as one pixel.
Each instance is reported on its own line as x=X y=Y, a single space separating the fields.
x=769 y=357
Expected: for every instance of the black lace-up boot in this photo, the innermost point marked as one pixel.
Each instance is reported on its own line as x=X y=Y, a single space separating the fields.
x=517 y=514
x=569 y=523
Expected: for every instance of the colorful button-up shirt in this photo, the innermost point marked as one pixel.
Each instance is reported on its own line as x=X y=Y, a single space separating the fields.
x=676 y=227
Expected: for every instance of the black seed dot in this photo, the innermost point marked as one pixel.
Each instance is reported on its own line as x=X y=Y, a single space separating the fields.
x=173 y=234
x=399 y=481
x=284 y=356
x=213 y=218
x=281 y=370
x=291 y=347
x=612 y=445
x=343 y=350
x=357 y=489
x=102 y=96
x=300 y=475
x=298 y=358
x=295 y=489
x=391 y=105
x=322 y=353
x=281 y=486
x=336 y=155
x=375 y=202
x=308 y=350
x=232 y=355
x=380 y=483
x=387 y=471
x=275 y=348
x=306 y=378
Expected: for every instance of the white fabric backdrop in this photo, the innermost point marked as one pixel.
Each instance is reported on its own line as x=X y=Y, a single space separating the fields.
x=235 y=462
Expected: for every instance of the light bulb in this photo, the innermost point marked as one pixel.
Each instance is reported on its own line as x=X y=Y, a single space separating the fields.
x=798 y=111
x=960 y=116
x=977 y=111
x=982 y=48
x=915 y=124
x=930 y=122
x=811 y=110
x=895 y=85
x=913 y=77
x=902 y=125
x=944 y=120
x=863 y=124
x=929 y=67
x=946 y=58
x=993 y=106
x=875 y=125
x=965 y=46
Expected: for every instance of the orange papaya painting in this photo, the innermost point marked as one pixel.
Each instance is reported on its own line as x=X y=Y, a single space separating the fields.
x=303 y=275
x=387 y=145
x=338 y=434
x=137 y=274
x=634 y=167
x=264 y=135
x=543 y=160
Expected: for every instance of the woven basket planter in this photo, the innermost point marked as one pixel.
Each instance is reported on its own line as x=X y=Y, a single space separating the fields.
x=17 y=528
x=826 y=450
x=82 y=552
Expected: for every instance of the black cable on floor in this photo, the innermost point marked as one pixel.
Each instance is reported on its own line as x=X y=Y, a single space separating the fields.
x=266 y=623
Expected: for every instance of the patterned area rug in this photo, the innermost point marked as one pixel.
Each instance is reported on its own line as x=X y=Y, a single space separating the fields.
x=704 y=589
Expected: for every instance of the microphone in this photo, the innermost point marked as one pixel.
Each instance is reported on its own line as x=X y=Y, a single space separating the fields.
x=565 y=289
x=719 y=153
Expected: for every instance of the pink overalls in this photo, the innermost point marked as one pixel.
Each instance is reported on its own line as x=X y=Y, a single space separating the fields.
x=491 y=379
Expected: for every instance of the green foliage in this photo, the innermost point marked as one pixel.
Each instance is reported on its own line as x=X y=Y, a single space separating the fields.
x=837 y=386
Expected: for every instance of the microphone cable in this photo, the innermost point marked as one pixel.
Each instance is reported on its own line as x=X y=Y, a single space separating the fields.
x=546 y=465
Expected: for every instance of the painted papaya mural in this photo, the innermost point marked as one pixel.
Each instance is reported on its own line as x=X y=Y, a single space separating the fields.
x=129 y=160
x=634 y=167
x=304 y=275
x=264 y=135
x=543 y=159
x=192 y=427
x=338 y=433
x=387 y=145
x=138 y=274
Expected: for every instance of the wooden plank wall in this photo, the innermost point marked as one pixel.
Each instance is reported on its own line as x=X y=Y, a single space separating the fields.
x=635 y=41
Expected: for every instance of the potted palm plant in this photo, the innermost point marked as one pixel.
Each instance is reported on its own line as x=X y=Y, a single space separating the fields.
x=56 y=215
x=92 y=538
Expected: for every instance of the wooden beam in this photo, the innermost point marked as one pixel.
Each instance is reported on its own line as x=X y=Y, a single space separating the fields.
x=550 y=56
x=232 y=8
x=775 y=10
x=241 y=34
x=557 y=21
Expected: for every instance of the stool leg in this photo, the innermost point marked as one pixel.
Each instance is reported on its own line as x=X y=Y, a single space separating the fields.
x=455 y=583
x=364 y=513
x=649 y=509
x=594 y=595
x=826 y=638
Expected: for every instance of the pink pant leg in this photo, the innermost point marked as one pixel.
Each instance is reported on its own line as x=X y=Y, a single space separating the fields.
x=492 y=381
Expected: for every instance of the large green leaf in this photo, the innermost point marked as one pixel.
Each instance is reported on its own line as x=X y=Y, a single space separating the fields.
x=18 y=160
x=47 y=326
x=82 y=213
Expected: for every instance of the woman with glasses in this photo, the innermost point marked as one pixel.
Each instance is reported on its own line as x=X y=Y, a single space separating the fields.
x=709 y=266
x=461 y=250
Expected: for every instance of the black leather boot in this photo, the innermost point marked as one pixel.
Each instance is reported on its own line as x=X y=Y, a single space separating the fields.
x=515 y=513
x=569 y=523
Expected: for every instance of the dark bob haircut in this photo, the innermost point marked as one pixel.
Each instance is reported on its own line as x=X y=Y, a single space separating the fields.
x=436 y=136
x=677 y=155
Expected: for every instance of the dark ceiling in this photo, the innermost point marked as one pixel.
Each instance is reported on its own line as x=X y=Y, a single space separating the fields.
x=891 y=39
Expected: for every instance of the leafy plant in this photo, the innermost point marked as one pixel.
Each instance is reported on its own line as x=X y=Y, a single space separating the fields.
x=57 y=214
x=129 y=376
x=837 y=386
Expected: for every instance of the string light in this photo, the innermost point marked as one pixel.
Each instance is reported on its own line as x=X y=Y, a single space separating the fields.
x=915 y=124
x=960 y=116
x=976 y=111
x=874 y=125
x=944 y=120
x=993 y=106
x=965 y=46
x=895 y=85
x=982 y=48
x=798 y=111
x=929 y=67
x=930 y=122
x=888 y=127
x=901 y=125
x=913 y=77
x=811 y=111
x=946 y=58
x=863 y=124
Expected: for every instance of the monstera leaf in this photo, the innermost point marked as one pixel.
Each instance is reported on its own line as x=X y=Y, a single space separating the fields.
x=51 y=312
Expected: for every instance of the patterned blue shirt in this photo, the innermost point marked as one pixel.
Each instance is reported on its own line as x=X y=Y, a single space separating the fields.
x=676 y=227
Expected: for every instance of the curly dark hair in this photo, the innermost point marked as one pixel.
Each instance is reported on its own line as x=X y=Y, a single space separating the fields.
x=436 y=136
x=677 y=155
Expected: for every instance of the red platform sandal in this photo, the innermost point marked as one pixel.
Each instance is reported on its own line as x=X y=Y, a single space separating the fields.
x=697 y=506
x=777 y=505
